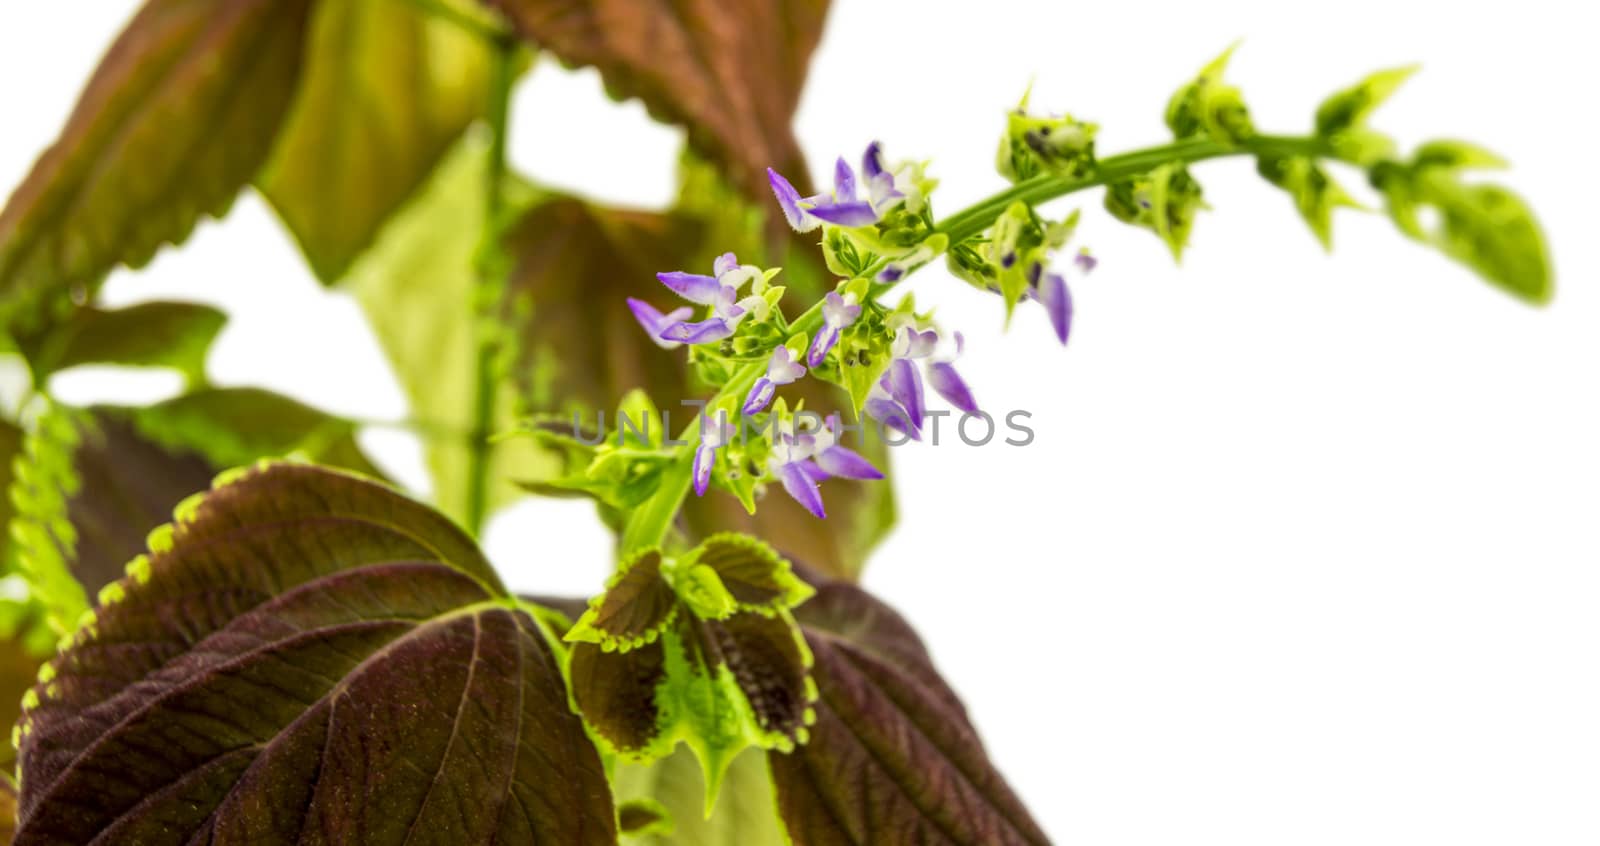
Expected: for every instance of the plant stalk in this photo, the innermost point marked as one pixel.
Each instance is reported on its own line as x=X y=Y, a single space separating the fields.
x=490 y=270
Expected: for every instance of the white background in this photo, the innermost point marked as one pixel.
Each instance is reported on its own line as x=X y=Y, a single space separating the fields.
x=1306 y=549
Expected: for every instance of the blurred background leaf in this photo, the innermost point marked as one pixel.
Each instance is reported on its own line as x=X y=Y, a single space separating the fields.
x=728 y=71
x=153 y=334
x=94 y=482
x=180 y=115
x=388 y=88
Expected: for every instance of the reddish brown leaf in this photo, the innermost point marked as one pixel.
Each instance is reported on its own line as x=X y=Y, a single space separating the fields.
x=179 y=116
x=578 y=346
x=730 y=71
x=312 y=657
x=892 y=757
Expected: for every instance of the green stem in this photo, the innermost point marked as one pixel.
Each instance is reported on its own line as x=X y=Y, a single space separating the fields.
x=649 y=524
x=489 y=272
x=973 y=220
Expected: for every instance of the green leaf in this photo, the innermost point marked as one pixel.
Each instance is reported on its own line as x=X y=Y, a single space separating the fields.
x=702 y=667
x=156 y=334
x=317 y=656
x=1209 y=107
x=745 y=814
x=1349 y=109
x=95 y=482
x=643 y=817
x=1314 y=192
x=388 y=88
x=234 y=426
x=731 y=74
x=179 y=116
x=892 y=757
x=1165 y=201
x=418 y=288
x=1485 y=227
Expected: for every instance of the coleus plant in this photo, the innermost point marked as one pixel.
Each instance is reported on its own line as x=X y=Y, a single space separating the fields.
x=302 y=652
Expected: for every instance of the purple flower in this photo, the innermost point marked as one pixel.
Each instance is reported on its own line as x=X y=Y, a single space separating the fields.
x=720 y=292
x=943 y=377
x=903 y=381
x=782 y=369
x=900 y=397
x=655 y=323
x=883 y=408
x=713 y=436
x=838 y=461
x=1057 y=301
x=1085 y=262
x=801 y=462
x=844 y=207
x=837 y=314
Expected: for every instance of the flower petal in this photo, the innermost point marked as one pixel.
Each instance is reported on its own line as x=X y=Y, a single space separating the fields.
x=704 y=458
x=872 y=162
x=654 y=322
x=849 y=214
x=705 y=332
x=789 y=201
x=799 y=484
x=760 y=396
x=844 y=182
x=904 y=383
x=944 y=378
x=889 y=413
x=821 y=344
x=693 y=287
x=1057 y=300
x=782 y=369
x=846 y=464
x=839 y=312
x=725 y=263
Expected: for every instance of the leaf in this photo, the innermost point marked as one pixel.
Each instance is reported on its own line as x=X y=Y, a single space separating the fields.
x=95 y=482
x=235 y=426
x=706 y=670
x=417 y=287
x=636 y=606
x=179 y=116
x=154 y=334
x=388 y=88
x=1314 y=192
x=1349 y=109
x=315 y=656
x=577 y=346
x=1209 y=107
x=729 y=72
x=643 y=817
x=745 y=814
x=892 y=757
x=1485 y=227
x=1165 y=201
